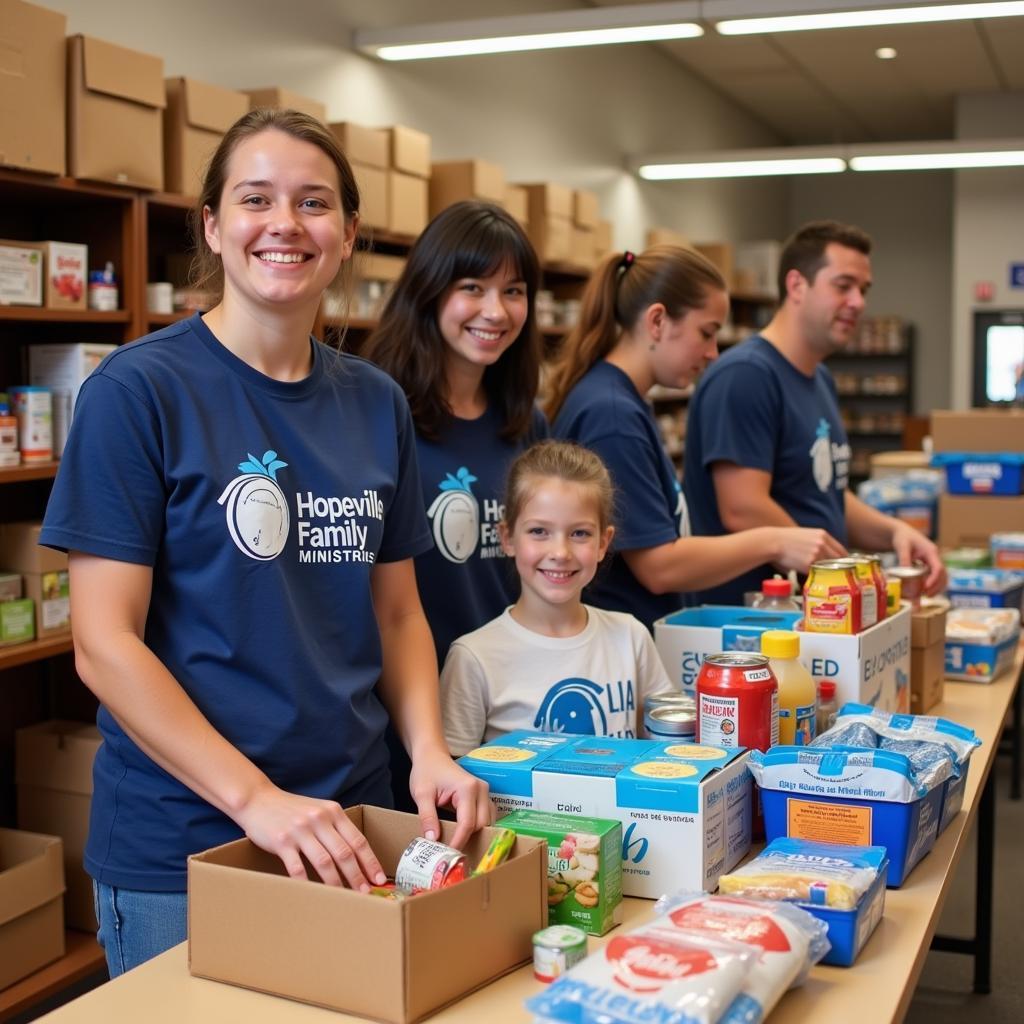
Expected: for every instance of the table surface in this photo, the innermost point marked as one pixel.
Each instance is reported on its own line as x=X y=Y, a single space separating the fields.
x=884 y=977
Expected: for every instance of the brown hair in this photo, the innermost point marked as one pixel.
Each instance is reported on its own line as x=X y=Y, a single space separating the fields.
x=614 y=300
x=468 y=239
x=207 y=271
x=561 y=460
x=804 y=250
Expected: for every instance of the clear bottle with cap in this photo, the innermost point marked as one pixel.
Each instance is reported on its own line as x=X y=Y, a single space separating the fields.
x=828 y=707
x=798 y=696
x=776 y=596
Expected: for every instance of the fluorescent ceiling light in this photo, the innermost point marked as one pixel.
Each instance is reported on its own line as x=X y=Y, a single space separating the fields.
x=546 y=31
x=864 y=18
x=741 y=168
x=937 y=161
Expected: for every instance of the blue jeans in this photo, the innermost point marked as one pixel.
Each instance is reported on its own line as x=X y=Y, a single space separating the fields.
x=136 y=926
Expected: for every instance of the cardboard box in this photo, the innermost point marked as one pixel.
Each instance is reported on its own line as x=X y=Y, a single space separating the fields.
x=927 y=676
x=665 y=236
x=362 y=145
x=517 y=202
x=33 y=94
x=52 y=596
x=373 y=196
x=373 y=266
x=756 y=268
x=928 y=624
x=21 y=273
x=548 y=199
x=721 y=254
x=195 y=119
x=582 y=252
x=17 y=622
x=968 y=521
x=53 y=773
x=407 y=203
x=585 y=209
x=398 y=962
x=67 y=267
x=115 y=100
x=603 y=239
x=978 y=430
x=284 y=99
x=20 y=550
x=455 y=180
x=10 y=586
x=551 y=238
x=31 y=918
x=871 y=667
x=410 y=151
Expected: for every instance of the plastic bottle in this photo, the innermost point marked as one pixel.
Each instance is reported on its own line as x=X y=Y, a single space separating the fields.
x=776 y=596
x=10 y=455
x=827 y=706
x=103 y=289
x=798 y=696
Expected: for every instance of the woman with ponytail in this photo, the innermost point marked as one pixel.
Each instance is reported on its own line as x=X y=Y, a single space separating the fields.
x=649 y=319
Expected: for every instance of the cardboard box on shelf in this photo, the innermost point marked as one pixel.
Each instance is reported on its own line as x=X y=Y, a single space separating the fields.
x=115 y=100
x=548 y=199
x=927 y=676
x=454 y=180
x=10 y=586
x=17 y=621
x=582 y=251
x=67 y=267
x=603 y=239
x=407 y=203
x=373 y=266
x=410 y=151
x=517 y=202
x=33 y=93
x=721 y=254
x=978 y=430
x=373 y=196
x=968 y=521
x=196 y=117
x=756 y=268
x=363 y=145
x=252 y=926
x=552 y=238
x=31 y=916
x=284 y=99
x=585 y=208
x=20 y=550
x=53 y=774
x=21 y=273
x=665 y=236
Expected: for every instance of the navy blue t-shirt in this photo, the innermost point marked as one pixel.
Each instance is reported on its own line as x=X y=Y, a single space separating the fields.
x=605 y=413
x=754 y=408
x=262 y=507
x=465 y=580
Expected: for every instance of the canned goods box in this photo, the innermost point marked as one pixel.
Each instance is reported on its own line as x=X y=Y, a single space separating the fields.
x=981 y=642
x=870 y=667
x=395 y=961
x=985 y=588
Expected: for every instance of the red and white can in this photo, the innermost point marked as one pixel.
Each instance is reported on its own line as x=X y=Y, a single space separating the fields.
x=429 y=865
x=737 y=702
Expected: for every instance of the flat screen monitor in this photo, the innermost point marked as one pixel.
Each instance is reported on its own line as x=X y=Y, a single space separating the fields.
x=999 y=357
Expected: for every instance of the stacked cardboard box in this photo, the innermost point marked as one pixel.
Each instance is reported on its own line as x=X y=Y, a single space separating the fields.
x=927 y=656
x=665 y=236
x=368 y=151
x=408 y=204
x=45 y=576
x=603 y=240
x=517 y=202
x=585 y=213
x=721 y=254
x=284 y=99
x=452 y=181
x=550 y=211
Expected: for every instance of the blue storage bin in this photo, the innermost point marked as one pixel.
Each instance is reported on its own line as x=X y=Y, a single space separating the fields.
x=996 y=473
x=985 y=588
x=849 y=930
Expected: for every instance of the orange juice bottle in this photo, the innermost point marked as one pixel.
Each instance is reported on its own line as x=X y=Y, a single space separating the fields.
x=798 y=696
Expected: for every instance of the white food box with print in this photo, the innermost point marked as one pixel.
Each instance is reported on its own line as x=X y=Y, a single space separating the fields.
x=872 y=667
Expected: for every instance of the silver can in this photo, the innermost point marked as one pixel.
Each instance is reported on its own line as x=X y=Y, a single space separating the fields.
x=670 y=716
x=429 y=865
x=556 y=949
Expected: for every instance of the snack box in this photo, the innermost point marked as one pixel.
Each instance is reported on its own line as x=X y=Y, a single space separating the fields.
x=1007 y=550
x=1000 y=473
x=980 y=642
x=871 y=667
x=584 y=866
x=985 y=588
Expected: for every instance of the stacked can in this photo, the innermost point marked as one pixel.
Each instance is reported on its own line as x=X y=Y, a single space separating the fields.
x=670 y=716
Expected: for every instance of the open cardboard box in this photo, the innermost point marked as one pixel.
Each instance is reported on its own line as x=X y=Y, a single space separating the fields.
x=251 y=925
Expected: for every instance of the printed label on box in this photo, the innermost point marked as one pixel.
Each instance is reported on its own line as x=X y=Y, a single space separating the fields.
x=829 y=823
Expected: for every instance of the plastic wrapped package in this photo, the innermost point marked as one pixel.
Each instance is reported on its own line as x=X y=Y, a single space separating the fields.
x=848 y=734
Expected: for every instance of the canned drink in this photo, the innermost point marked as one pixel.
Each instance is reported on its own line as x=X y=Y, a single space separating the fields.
x=737 y=702
x=556 y=949
x=872 y=600
x=429 y=865
x=832 y=598
x=893 y=593
x=670 y=721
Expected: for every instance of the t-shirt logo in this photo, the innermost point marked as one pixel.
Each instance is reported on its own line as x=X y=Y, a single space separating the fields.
x=573 y=705
x=455 y=516
x=255 y=508
x=821 y=456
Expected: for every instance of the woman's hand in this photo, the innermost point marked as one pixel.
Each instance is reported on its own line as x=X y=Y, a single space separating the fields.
x=436 y=780
x=798 y=547
x=289 y=825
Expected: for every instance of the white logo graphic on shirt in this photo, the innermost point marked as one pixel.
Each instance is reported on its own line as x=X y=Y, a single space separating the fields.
x=455 y=516
x=577 y=705
x=682 y=513
x=255 y=508
x=821 y=456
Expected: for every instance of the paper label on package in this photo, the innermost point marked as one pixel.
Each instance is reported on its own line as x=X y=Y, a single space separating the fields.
x=828 y=823
x=56 y=612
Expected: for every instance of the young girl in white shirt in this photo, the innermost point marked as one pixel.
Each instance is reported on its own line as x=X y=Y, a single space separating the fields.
x=550 y=662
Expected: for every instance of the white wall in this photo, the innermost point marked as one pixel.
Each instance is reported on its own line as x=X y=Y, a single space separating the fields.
x=569 y=115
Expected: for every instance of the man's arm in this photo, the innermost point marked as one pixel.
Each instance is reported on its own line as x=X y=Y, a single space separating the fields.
x=744 y=498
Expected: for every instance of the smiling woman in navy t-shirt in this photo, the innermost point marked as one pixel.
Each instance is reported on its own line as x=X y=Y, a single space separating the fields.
x=242 y=507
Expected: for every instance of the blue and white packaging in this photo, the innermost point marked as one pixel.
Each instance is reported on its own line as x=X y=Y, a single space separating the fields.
x=981 y=643
x=994 y=473
x=985 y=588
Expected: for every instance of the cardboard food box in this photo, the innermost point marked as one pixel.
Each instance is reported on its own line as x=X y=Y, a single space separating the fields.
x=721 y=254
x=251 y=925
x=551 y=237
x=871 y=667
x=115 y=100
x=1008 y=550
x=10 y=586
x=602 y=239
x=665 y=236
x=584 y=866
x=195 y=119
x=373 y=196
x=967 y=521
x=284 y=99
x=454 y=180
x=409 y=151
x=374 y=266
x=927 y=676
x=17 y=621
x=53 y=773
x=45 y=575
x=407 y=203
x=978 y=430
x=928 y=623
x=582 y=253
x=362 y=145
x=33 y=94
x=31 y=918
x=67 y=266
x=517 y=202
x=21 y=273
x=548 y=199
x=585 y=209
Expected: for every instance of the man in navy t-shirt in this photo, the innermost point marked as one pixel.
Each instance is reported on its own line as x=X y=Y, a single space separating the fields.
x=765 y=444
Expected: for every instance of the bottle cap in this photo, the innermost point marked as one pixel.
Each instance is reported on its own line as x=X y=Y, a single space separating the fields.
x=780 y=643
x=826 y=691
x=776 y=587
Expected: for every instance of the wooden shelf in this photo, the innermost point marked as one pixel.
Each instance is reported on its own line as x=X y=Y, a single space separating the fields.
x=754 y=299
x=166 y=319
x=171 y=199
x=572 y=270
x=900 y=356
x=29 y=471
x=47 y=184
x=34 y=650
x=83 y=957
x=66 y=316
x=857 y=396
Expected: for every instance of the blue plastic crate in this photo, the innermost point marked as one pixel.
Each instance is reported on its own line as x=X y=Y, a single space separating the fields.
x=995 y=473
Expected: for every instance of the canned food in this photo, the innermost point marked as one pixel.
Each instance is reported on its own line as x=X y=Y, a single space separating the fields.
x=832 y=598
x=870 y=606
x=737 y=702
x=670 y=722
x=911 y=579
x=893 y=592
x=556 y=949
x=429 y=865
x=878 y=581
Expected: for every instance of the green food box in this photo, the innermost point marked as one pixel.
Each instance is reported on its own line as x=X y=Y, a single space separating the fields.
x=584 y=866
x=17 y=621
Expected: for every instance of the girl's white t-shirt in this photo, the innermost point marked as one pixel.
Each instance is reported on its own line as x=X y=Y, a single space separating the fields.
x=504 y=676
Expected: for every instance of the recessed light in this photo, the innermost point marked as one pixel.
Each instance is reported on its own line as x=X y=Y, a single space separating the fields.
x=885 y=53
